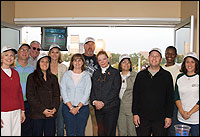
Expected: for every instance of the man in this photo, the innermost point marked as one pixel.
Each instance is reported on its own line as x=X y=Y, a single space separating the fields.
x=91 y=66
x=34 y=52
x=152 y=105
x=24 y=69
x=174 y=69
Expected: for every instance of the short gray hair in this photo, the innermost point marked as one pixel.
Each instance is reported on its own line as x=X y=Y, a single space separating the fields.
x=34 y=42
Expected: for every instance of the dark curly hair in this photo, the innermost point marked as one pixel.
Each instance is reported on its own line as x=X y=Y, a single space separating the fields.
x=183 y=68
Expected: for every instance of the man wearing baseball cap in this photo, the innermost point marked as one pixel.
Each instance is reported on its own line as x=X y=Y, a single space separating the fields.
x=24 y=69
x=91 y=66
x=153 y=91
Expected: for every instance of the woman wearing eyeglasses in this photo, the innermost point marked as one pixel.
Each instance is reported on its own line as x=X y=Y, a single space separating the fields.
x=126 y=126
x=106 y=84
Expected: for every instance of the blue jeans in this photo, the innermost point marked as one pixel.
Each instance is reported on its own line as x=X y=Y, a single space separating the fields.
x=75 y=125
x=60 y=121
x=194 y=131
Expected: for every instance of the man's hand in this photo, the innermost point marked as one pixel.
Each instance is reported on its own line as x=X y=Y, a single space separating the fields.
x=168 y=122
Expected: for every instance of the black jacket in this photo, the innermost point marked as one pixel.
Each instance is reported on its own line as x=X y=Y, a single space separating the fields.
x=106 y=87
x=45 y=95
x=153 y=95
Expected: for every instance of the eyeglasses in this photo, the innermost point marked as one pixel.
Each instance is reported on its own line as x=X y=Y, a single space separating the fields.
x=24 y=50
x=34 y=48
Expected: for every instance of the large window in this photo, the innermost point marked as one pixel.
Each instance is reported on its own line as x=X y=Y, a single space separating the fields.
x=135 y=41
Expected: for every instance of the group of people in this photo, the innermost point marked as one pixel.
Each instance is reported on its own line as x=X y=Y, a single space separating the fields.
x=39 y=94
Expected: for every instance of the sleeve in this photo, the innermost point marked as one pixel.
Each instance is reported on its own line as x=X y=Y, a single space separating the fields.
x=92 y=93
x=136 y=95
x=20 y=93
x=115 y=89
x=32 y=96
x=176 y=93
x=56 y=93
x=63 y=88
x=86 y=95
x=169 y=97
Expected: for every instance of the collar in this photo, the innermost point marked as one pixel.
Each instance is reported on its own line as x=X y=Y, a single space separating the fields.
x=103 y=70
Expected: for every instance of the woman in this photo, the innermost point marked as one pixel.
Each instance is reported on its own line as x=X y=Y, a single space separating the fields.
x=43 y=96
x=75 y=91
x=12 y=103
x=106 y=84
x=58 y=69
x=187 y=93
x=126 y=126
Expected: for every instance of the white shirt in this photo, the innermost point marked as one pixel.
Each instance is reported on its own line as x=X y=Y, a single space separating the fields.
x=124 y=84
x=188 y=89
x=174 y=70
x=104 y=69
x=7 y=71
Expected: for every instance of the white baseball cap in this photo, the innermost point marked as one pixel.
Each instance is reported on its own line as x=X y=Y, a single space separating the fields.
x=54 y=46
x=6 y=48
x=191 y=54
x=156 y=49
x=42 y=55
x=89 y=39
x=123 y=56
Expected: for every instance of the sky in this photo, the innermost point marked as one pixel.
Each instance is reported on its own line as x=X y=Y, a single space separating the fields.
x=118 y=39
x=128 y=39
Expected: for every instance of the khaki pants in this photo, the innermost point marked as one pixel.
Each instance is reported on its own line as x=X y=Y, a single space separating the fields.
x=94 y=122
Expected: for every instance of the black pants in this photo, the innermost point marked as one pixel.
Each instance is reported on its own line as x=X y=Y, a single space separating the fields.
x=44 y=127
x=27 y=126
x=107 y=121
x=151 y=127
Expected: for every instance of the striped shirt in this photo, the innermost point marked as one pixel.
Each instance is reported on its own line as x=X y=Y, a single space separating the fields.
x=23 y=74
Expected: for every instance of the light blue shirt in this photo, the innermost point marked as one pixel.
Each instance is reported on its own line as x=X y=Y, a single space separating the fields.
x=75 y=94
x=23 y=74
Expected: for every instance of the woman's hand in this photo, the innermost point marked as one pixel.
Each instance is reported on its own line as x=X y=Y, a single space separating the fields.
x=136 y=120
x=2 y=123
x=74 y=110
x=23 y=117
x=99 y=105
x=48 y=112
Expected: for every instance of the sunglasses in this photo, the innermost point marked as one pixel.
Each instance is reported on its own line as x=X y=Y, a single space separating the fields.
x=34 y=48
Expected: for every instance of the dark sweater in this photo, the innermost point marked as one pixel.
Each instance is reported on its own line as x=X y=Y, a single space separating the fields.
x=45 y=95
x=106 y=87
x=153 y=95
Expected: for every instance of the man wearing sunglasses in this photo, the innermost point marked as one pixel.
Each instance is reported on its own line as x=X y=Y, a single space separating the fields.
x=34 y=52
